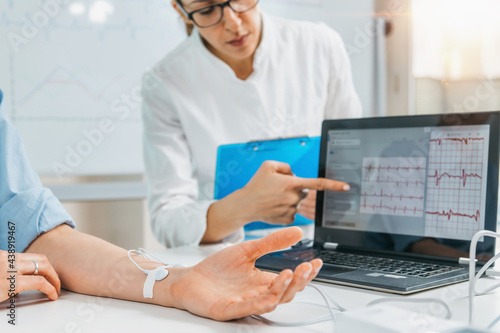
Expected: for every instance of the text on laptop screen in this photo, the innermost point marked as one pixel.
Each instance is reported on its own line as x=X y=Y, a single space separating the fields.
x=420 y=181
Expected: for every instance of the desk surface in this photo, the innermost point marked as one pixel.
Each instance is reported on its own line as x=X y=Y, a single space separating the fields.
x=81 y=313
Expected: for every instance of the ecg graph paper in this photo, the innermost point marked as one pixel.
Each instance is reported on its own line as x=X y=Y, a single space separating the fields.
x=393 y=186
x=456 y=184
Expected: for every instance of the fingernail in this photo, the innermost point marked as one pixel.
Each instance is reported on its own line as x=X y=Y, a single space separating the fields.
x=346 y=188
x=287 y=282
x=316 y=270
x=307 y=273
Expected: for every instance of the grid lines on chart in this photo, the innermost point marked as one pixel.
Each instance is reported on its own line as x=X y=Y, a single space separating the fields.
x=456 y=178
x=393 y=186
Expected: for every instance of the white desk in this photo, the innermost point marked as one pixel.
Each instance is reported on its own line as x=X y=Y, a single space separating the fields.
x=80 y=313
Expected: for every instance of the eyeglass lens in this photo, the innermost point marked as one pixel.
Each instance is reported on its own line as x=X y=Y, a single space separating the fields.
x=212 y=15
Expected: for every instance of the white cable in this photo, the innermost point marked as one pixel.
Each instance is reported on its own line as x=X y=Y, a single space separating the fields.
x=321 y=289
x=146 y=254
x=413 y=300
x=493 y=323
x=157 y=274
x=481 y=272
x=297 y=324
x=472 y=268
x=331 y=316
x=133 y=261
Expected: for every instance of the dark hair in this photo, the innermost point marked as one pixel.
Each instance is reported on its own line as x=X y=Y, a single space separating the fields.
x=189 y=26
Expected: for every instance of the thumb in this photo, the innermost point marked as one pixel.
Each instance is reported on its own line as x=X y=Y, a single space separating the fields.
x=278 y=240
x=279 y=167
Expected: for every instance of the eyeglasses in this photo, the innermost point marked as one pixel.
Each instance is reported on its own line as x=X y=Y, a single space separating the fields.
x=212 y=15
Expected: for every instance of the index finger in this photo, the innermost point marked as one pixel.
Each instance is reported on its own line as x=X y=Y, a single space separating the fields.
x=278 y=240
x=322 y=184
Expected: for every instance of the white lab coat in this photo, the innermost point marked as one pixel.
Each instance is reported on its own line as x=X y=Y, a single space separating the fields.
x=193 y=102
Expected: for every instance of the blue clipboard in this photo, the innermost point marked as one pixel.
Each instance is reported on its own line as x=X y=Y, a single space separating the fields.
x=237 y=163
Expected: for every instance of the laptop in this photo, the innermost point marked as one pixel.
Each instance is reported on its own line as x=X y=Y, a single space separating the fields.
x=421 y=187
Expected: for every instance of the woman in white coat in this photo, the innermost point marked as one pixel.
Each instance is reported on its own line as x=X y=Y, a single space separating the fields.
x=241 y=75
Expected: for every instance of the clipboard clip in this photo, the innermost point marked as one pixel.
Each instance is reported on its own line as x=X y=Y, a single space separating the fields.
x=257 y=144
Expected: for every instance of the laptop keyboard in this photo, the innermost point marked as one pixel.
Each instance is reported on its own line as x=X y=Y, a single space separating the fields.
x=376 y=264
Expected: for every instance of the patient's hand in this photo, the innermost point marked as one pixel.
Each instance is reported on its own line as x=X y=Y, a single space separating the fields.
x=227 y=285
x=46 y=280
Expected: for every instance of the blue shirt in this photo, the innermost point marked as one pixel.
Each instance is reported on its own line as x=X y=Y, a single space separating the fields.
x=30 y=208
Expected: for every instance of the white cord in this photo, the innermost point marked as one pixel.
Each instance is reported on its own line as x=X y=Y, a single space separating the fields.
x=331 y=316
x=133 y=261
x=147 y=255
x=493 y=323
x=481 y=272
x=157 y=274
x=300 y=323
x=472 y=268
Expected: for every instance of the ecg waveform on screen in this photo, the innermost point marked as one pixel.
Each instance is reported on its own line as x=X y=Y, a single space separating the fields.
x=464 y=176
x=380 y=207
x=397 y=183
x=392 y=196
x=393 y=168
x=451 y=213
x=393 y=186
x=455 y=198
x=462 y=140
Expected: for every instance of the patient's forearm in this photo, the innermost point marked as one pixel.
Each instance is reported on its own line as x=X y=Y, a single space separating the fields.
x=90 y=265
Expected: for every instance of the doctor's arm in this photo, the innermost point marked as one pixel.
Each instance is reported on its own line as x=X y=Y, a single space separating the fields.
x=272 y=195
x=178 y=217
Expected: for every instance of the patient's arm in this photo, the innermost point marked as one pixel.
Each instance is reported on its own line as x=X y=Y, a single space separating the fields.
x=224 y=286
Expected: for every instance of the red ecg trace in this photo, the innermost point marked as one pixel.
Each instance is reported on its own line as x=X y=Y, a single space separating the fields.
x=392 y=196
x=451 y=213
x=449 y=158
x=394 y=209
x=397 y=182
x=463 y=140
x=389 y=168
x=463 y=176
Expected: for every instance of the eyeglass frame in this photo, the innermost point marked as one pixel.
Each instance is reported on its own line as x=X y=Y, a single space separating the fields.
x=220 y=5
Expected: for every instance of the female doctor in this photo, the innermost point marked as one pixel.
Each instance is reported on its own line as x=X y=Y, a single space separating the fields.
x=241 y=75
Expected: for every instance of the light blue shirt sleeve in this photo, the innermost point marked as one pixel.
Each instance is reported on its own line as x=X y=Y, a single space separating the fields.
x=30 y=208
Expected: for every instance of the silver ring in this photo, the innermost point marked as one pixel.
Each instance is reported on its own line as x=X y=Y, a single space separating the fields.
x=36 y=268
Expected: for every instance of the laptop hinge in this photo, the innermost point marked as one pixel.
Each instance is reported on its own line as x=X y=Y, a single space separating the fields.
x=330 y=245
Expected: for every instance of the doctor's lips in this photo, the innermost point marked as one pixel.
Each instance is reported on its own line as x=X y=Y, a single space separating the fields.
x=240 y=41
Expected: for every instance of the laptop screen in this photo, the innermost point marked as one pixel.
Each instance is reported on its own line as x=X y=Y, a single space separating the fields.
x=412 y=178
